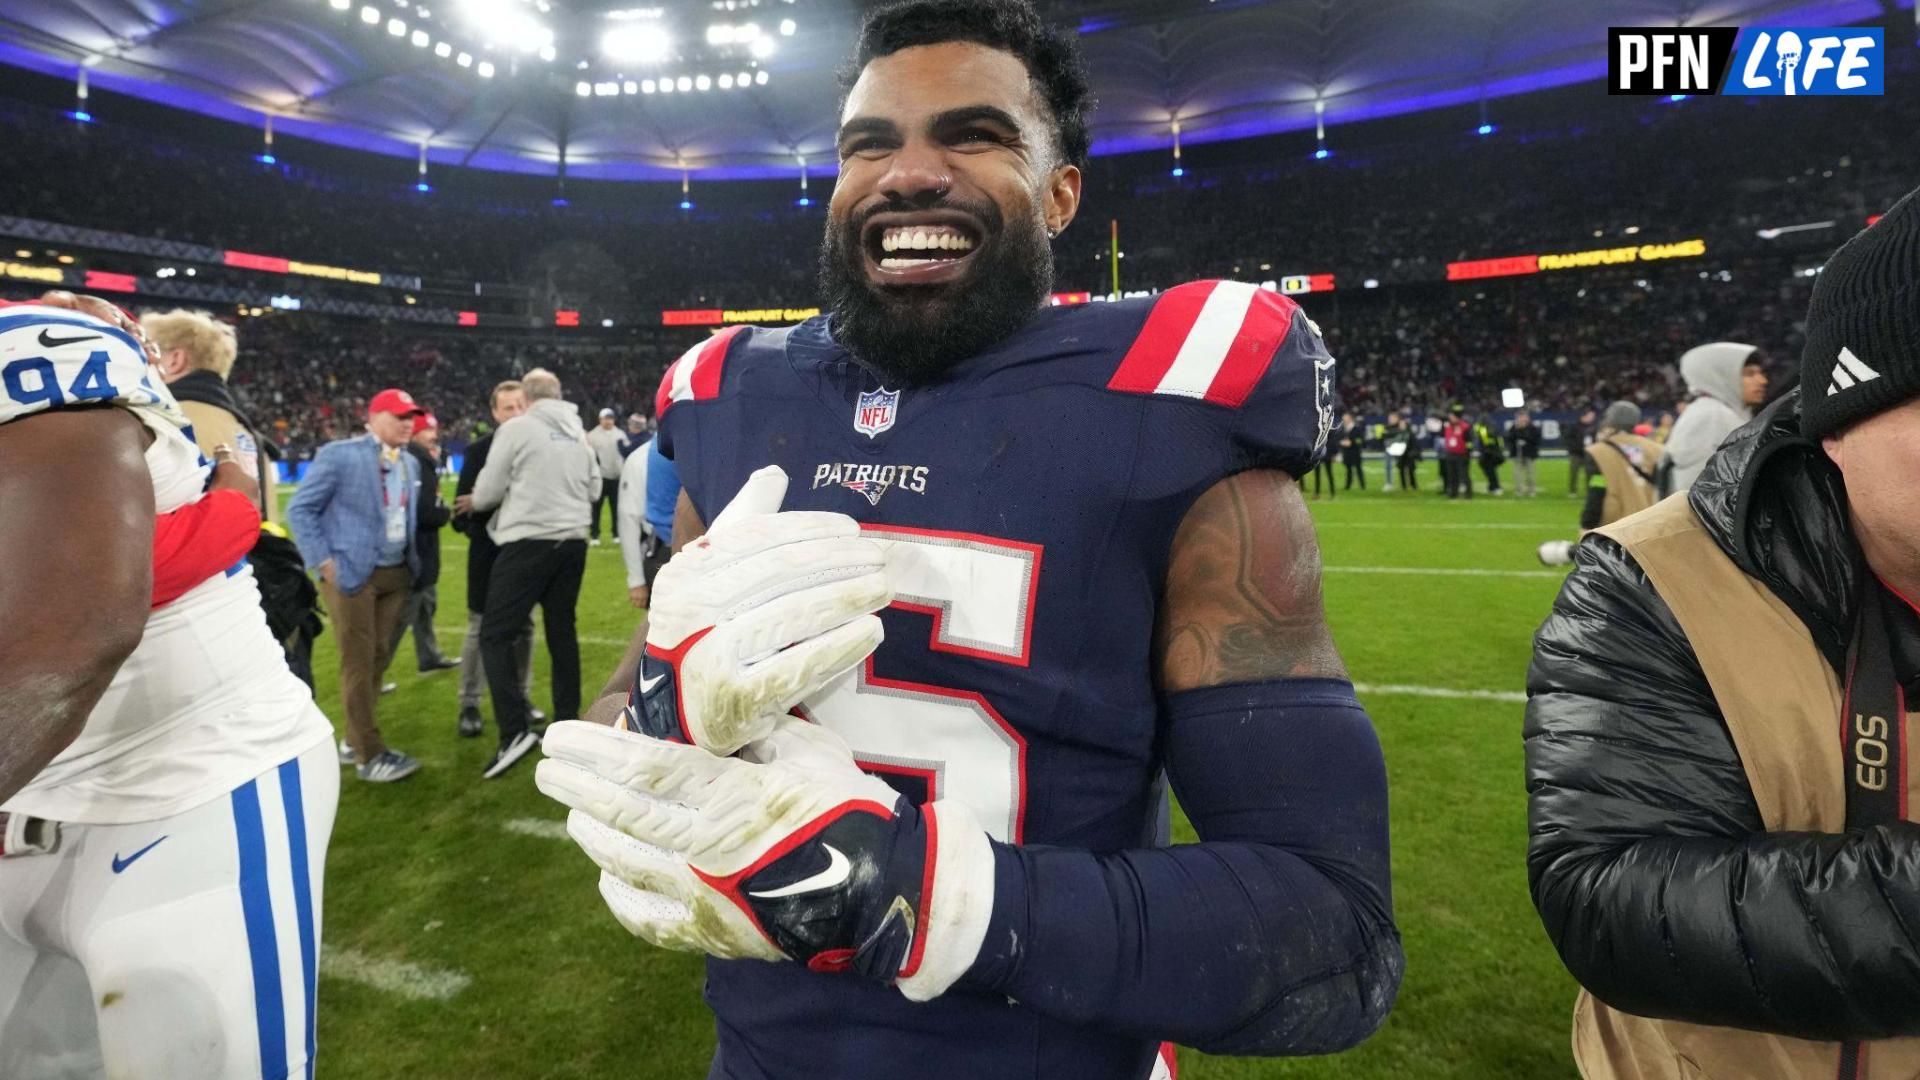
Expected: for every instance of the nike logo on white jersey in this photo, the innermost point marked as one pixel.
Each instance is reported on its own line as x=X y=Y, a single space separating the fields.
x=647 y=685
x=1849 y=372
x=836 y=873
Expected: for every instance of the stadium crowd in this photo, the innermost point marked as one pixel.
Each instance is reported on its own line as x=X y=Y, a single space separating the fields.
x=1568 y=343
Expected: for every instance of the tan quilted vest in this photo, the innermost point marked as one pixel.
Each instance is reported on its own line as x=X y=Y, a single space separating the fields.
x=1782 y=704
x=1628 y=492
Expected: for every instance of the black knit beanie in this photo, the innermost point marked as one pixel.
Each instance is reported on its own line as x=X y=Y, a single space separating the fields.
x=1863 y=327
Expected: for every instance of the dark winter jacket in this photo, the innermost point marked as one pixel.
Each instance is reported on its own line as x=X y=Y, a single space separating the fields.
x=1648 y=857
x=433 y=516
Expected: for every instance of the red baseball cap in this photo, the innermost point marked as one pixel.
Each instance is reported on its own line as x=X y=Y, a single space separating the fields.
x=397 y=402
x=424 y=421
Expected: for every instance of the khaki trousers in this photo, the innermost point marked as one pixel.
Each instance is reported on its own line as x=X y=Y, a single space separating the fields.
x=363 y=625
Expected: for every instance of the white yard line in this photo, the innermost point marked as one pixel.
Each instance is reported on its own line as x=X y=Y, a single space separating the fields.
x=541 y=827
x=1556 y=529
x=1395 y=689
x=1436 y=571
x=393 y=976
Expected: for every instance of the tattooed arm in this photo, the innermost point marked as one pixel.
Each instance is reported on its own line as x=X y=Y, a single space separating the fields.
x=1243 y=590
x=1274 y=935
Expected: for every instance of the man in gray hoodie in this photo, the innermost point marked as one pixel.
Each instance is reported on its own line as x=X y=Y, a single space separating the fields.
x=542 y=476
x=1727 y=382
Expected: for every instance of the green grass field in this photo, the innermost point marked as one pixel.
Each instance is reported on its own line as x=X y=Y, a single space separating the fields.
x=465 y=938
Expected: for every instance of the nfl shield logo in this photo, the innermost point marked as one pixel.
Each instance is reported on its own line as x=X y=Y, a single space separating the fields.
x=874 y=412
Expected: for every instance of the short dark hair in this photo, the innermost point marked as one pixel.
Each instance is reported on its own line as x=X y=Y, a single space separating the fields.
x=1051 y=56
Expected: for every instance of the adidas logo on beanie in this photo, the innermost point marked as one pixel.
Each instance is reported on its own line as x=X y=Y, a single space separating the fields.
x=1863 y=326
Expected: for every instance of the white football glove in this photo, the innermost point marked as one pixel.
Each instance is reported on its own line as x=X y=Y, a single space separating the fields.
x=761 y=612
x=788 y=852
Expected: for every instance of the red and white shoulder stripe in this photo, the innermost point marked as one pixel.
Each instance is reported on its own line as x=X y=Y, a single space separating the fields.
x=696 y=375
x=1211 y=340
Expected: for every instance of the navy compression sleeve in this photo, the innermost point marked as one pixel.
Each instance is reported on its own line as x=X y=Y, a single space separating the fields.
x=1273 y=935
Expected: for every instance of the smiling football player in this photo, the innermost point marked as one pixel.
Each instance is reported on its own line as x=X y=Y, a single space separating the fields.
x=981 y=575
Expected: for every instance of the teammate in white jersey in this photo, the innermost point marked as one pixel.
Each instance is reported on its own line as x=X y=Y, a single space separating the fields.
x=160 y=875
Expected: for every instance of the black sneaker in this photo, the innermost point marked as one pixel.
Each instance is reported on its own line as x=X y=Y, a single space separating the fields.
x=510 y=753
x=441 y=664
x=388 y=767
x=471 y=723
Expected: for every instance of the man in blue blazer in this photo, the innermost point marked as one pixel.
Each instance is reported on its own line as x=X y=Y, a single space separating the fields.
x=354 y=517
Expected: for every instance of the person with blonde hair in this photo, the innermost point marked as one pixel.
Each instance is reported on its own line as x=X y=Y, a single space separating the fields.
x=197 y=353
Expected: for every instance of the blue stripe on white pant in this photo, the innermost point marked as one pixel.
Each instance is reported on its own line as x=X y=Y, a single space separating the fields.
x=273 y=859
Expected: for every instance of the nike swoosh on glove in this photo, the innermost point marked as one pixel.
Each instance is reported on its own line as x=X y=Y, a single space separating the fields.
x=763 y=611
x=788 y=852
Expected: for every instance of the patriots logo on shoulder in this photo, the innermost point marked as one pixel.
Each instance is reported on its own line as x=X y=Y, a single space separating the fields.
x=872 y=489
x=874 y=413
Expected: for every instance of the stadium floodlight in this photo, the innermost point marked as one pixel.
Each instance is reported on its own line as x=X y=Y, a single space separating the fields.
x=703 y=84
x=787 y=27
x=464 y=60
x=507 y=22
x=605 y=89
x=629 y=87
x=666 y=86
x=646 y=86
x=370 y=16
x=761 y=48
x=683 y=84
x=485 y=69
x=341 y=5
x=443 y=50
x=1513 y=398
x=420 y=39
x=547 y=53
x=583 y=89
x=726 y=82
x=636 y=43
x=760 y=78
x=397 y=27
x=744 y=80
x=719 y=34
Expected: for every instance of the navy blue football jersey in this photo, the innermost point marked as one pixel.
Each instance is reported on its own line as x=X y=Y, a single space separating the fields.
x=1028 y=502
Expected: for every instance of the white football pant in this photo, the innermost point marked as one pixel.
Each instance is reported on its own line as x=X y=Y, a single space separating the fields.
x=186 y=947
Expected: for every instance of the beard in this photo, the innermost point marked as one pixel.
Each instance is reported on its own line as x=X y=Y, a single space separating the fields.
x=914 y=334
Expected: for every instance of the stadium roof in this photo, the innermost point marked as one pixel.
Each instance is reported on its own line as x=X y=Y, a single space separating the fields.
x=387 y=75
